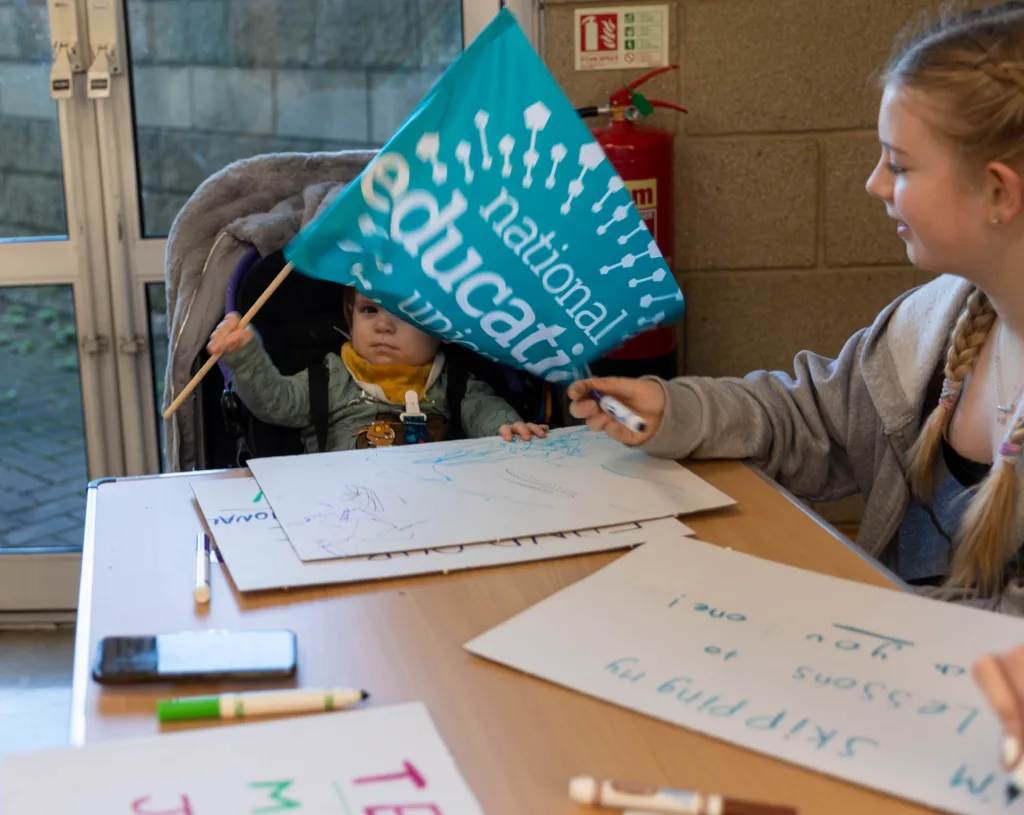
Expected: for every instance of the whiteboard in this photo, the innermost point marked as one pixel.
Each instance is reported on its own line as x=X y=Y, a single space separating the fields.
x=863 y=683
x=349 y=762
x=259 y=556
x=363 y=502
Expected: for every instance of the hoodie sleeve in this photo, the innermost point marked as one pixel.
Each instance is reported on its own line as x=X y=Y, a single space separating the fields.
x=270 y=396
x=798 y=429
x=483 y=411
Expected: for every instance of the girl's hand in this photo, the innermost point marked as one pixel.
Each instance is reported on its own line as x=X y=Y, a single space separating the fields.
x=644 y=397
x=1001 y=679
x=525 y=431
x=227 y=336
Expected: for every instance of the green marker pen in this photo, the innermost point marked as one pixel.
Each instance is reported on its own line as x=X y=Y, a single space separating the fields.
x=257 y=703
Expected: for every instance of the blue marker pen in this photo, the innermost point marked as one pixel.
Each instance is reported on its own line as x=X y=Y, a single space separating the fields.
x=618 y=411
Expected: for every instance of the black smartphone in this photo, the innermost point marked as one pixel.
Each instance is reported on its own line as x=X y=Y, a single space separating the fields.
x=199 y=655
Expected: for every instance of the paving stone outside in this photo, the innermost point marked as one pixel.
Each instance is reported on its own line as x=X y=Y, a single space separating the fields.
x=43 y=472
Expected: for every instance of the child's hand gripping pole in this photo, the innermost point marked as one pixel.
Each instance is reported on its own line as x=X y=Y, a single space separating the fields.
x=191 y=386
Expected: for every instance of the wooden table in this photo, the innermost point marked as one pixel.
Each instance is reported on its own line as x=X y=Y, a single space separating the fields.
x=517 y=740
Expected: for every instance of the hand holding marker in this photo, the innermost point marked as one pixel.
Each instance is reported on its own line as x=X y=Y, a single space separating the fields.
x=1000 y=676
x=629 y=410
x=618 y=411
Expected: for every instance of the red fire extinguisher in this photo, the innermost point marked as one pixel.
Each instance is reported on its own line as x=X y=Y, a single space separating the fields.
x=643 y=158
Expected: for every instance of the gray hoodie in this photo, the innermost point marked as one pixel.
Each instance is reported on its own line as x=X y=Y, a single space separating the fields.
x=836 y=427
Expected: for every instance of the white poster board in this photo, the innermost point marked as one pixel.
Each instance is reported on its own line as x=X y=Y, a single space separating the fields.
x=364 y=502
x=859 y=682
x=258 y=555
x=355 y=761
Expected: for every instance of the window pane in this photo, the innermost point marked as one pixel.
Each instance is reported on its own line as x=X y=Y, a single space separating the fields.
x=43 y=472
x=219 y=80
x=31 y=187
x=156 y=301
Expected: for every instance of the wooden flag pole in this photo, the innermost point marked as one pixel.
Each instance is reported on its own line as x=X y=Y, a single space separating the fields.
x=191 y=386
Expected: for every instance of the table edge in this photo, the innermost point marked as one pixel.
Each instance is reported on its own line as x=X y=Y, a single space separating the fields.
x=83 y=622
x=874 y=563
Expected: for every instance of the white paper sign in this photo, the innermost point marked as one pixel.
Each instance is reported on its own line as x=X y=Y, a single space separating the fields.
x=364 y=502
x=617 y=37
x=259 y=556
x=357 y=761
x=863 y=683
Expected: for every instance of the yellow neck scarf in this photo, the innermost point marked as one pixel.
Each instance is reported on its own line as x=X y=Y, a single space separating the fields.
x=393 y=379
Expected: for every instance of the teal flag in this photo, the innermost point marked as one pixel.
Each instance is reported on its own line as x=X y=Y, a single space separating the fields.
x=493 y=219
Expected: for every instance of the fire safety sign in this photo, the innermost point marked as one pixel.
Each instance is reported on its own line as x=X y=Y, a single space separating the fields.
x=621 y=37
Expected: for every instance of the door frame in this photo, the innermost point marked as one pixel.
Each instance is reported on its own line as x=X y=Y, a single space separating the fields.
x=78 y=259
x=46 y=579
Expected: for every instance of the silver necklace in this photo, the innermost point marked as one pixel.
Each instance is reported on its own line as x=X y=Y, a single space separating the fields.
x=1004 y=409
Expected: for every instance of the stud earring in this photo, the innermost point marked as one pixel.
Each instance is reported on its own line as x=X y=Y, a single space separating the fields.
x=996 y=222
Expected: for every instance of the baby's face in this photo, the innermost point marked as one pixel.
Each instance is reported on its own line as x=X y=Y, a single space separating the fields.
x=381 y=338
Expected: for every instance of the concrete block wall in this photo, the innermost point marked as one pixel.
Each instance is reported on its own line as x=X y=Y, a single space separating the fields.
x=778 y=245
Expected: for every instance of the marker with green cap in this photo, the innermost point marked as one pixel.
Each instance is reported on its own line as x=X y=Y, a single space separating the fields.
x=257 y=703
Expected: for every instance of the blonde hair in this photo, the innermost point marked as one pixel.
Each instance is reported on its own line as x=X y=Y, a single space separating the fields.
x=970 y=67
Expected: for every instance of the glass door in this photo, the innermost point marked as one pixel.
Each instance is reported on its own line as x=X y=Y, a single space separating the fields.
x=58 y=428
x=208 y=82
x=90 y=186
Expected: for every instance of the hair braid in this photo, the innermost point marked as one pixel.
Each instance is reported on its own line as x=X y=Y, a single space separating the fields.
x=967 y=338
x=1009 y=73
x=979 y=557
